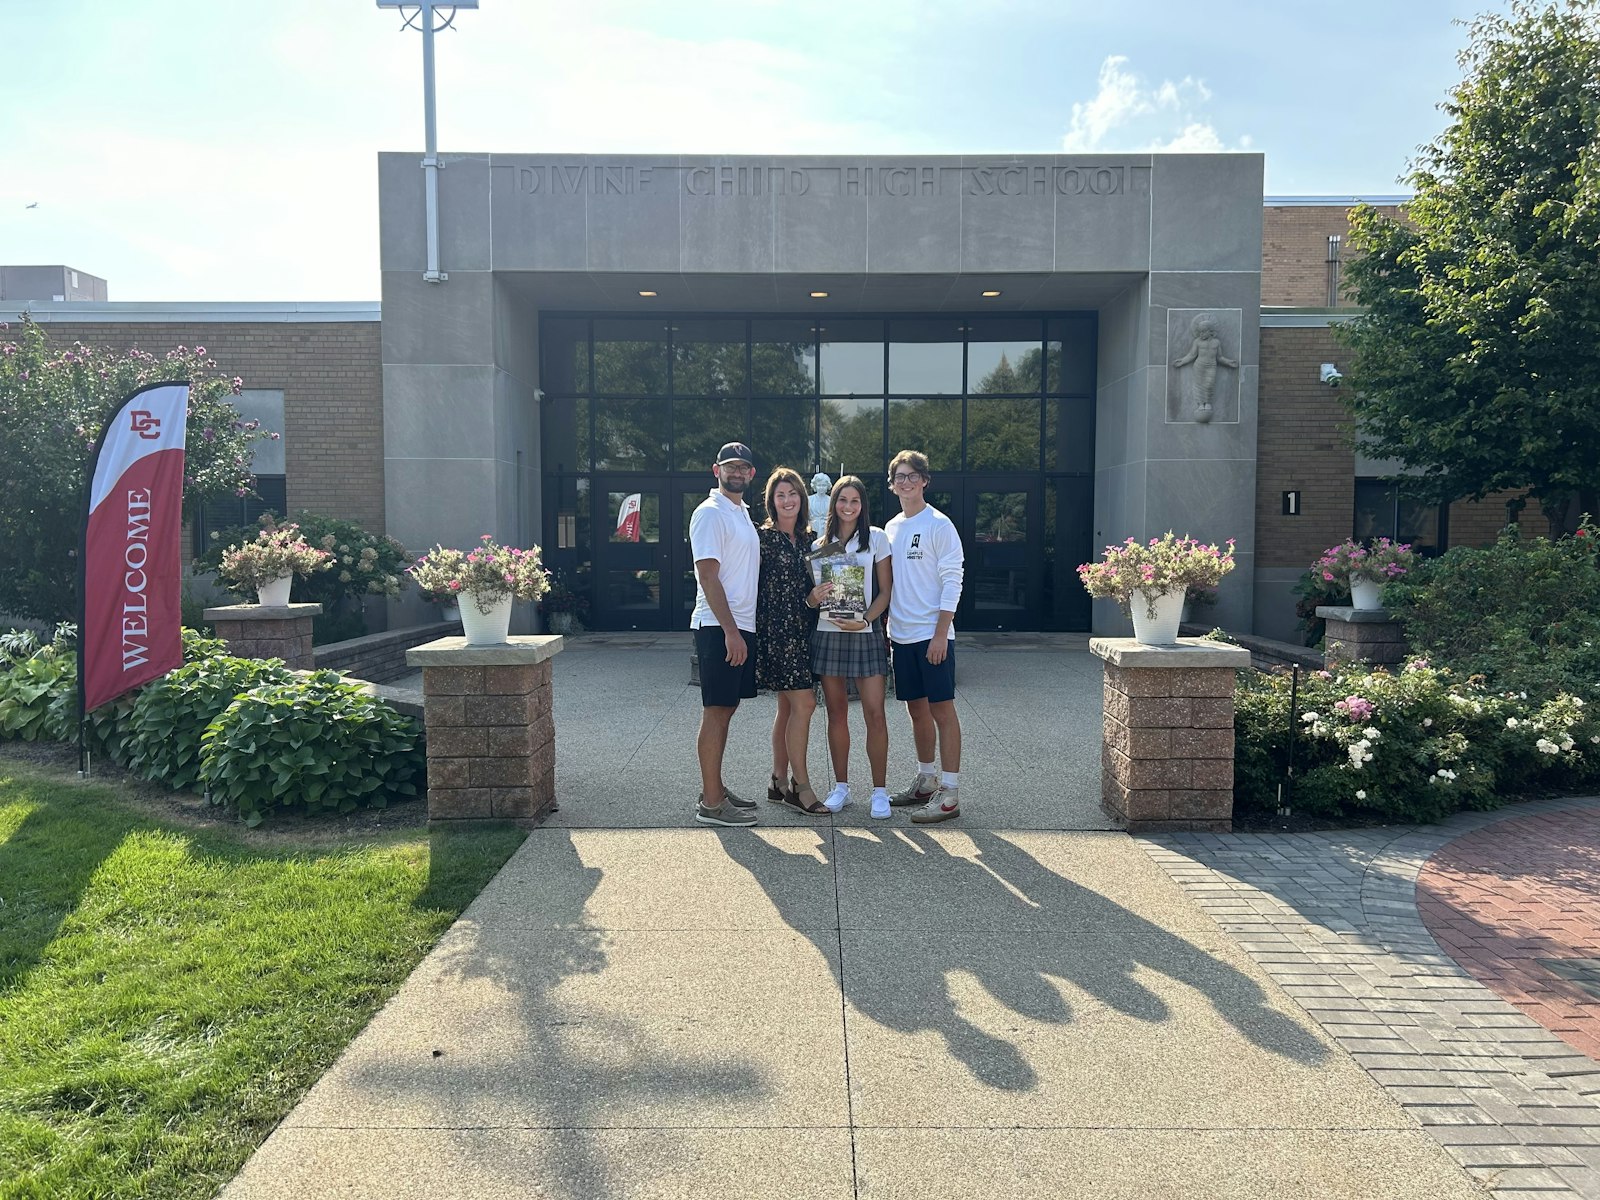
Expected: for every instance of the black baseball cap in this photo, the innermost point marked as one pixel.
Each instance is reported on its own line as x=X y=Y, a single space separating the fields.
x=735 y=452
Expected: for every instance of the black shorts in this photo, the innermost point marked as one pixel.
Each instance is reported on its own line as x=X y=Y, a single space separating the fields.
x=722 y=685
x=915 y=678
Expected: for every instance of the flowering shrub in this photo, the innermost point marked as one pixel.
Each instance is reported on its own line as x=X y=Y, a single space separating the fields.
x=1161 y=565
x=362 y=564
x=1412 y=745
x=278 y=550
x=1524 y=612
x=487 y=573
x=54 y=399
x=1380 y=562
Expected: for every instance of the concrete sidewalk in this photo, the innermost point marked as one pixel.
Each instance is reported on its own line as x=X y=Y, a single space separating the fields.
x=1024 y=1005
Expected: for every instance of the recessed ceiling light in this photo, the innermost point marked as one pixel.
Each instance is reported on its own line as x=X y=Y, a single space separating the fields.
x=646 y=294
x=819 y=295
x=990 y=295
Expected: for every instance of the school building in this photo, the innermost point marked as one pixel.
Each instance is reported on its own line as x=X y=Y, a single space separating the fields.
x=1086 y=347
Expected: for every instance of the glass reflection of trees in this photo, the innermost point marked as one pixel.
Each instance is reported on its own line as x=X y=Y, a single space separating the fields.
x=763 y=388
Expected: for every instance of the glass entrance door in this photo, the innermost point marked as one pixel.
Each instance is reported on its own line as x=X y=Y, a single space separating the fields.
x=1002 y=533
x=633 y=552
x=1001 y=522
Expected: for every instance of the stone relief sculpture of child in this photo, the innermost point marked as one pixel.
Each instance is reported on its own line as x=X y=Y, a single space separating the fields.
x=1205 y=353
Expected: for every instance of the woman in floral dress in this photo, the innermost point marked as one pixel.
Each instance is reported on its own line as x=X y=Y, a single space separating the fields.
x=786 y=603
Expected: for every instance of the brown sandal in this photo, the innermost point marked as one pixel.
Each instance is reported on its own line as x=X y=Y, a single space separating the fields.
x=776 y=792
x=811 y=807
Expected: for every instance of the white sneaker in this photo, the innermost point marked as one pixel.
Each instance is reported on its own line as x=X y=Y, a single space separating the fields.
x=945 y=806
x=837 y=799
x=880 y=804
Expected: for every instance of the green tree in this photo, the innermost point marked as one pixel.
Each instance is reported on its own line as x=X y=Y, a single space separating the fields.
x=1477 y=359
x=53 y=403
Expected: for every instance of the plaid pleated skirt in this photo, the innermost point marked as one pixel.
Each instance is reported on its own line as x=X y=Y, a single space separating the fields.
x=852 y=655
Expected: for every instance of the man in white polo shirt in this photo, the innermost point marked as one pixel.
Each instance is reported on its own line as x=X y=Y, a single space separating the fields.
x=727 y=565
x=925 y=551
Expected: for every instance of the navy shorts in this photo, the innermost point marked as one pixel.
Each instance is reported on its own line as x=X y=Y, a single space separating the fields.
x=915 y=678
x=722 y=685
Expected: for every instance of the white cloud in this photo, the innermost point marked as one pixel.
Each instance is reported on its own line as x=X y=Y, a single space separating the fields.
x=1126 y=114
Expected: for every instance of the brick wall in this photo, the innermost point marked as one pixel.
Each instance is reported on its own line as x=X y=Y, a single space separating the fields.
x=1479 y=523
x=1303 y=440
x=1294 y=252
x=1303 y=444
x=330 y=373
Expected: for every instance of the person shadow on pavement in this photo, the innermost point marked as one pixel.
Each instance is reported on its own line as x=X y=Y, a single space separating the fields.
x=917 y=910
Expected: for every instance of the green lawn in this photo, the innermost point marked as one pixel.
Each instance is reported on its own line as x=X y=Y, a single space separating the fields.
x=168 y=993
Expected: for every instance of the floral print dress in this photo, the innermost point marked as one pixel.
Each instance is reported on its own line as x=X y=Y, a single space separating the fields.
x=783 y=619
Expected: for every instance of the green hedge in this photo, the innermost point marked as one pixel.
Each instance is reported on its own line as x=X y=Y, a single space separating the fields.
x=253 y=733
x=311 y=740
x=170 y=714
x=1524 y=613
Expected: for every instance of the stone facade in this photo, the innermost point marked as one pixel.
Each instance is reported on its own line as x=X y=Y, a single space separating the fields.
x=1135 y=238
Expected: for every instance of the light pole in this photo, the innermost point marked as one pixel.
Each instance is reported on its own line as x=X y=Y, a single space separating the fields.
x=421 y=16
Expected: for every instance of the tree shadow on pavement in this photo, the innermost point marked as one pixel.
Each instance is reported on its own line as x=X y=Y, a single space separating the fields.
x=559 y=1067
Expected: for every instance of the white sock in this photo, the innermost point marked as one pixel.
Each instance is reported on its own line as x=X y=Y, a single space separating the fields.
x=950 y=779
x=927 y=768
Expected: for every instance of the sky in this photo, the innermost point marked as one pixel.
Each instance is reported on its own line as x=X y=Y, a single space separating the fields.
x=206 y=151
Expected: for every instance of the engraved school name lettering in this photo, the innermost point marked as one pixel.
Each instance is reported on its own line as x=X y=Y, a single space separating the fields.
x=906 y=181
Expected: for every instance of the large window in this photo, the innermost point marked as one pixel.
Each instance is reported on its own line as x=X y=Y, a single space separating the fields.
x=1384 y=510
x=1002 y=406
x=973 y=393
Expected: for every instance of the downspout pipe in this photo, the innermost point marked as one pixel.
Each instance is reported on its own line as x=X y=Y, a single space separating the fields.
x=430 y=157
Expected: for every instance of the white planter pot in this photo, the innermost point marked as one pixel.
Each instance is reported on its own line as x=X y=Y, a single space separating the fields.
x=1162 y=629
x=276 y=593
x=1364 y=593
x=485 y=629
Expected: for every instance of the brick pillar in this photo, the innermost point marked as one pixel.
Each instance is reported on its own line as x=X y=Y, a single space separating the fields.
x=1372 y=635
x=268 y=631
x=1167 y=754
x=491 y=728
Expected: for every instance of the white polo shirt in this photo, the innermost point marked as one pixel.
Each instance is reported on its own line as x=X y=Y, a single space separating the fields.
x=722 y=529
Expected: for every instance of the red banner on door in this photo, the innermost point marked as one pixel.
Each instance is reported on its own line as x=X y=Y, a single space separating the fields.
x=628 y=519
x=132 y=546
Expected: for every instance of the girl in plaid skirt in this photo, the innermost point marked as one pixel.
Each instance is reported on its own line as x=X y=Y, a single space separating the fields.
x=851 y=561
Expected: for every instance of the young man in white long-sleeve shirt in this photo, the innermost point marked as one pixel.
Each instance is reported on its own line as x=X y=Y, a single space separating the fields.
x=925 y=551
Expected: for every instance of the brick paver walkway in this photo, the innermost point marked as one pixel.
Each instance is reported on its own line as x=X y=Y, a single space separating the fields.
x=1333 y=918
x=1518 y=905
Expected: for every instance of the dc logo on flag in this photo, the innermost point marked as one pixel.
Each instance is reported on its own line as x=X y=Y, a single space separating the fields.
x=145 y=423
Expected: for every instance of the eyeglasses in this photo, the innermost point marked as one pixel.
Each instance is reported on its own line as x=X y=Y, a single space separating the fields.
x=737 y=468
x=902 y=477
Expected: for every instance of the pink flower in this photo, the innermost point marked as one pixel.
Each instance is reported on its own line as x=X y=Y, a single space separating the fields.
x=1354 y=707
x=1328 y=575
